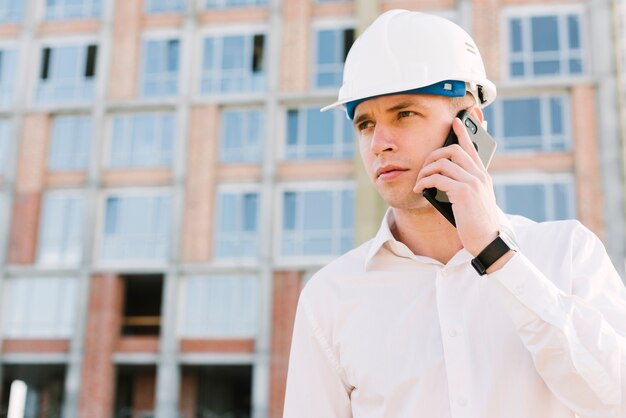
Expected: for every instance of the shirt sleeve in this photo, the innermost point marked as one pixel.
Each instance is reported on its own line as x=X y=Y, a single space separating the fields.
x=577 y=339
x=315 y=381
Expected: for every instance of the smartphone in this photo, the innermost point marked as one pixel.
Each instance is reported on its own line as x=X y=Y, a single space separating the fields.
x=484 y=144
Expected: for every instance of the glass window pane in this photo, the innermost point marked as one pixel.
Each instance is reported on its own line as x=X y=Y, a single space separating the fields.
x=232 y=56
x=320 y=129
x=327 y=46
x=292 y=127
x=556 y=115
x=289 y=211
x=318 y=210
x=527 y=200
x=250 y=211
x=515 y=26
x=142 y=140
x=522 y=118
x=517 y=69
x=545 y=33
x=573 y=31
x=137 y=227
x=562 y=201
x=546 y=67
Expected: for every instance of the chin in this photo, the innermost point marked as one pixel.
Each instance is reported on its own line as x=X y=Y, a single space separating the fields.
x=409 y=201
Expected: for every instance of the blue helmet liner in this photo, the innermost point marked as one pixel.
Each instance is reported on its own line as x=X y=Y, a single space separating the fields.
x=448 y=88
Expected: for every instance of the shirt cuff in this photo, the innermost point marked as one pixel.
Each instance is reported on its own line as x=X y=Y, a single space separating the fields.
x=531 y=294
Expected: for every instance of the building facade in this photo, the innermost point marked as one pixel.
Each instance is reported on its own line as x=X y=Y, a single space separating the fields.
x=168 y=185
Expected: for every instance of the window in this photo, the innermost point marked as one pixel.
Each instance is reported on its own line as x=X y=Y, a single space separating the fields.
x=136 y=228
x=530 y=123
x=61 y=229
x=160 y=67
x=224 y=4
x=545 y=199
x=142 y=304
x=237 y=225
x=72 y=9
x=67 y=73
x=44 y=307
x=233 y=63
x=223 y=390
x=330 y=53
x=7 y=76
x=10 y=10
x=161 y=6
x=135 y=390
x=38 y=390
x=70 y=143
x=317 y=222
x=4 y=146
x=545 y=45
x=242 y=132
x=142 y=140
x=312 y=135
x=220 y=307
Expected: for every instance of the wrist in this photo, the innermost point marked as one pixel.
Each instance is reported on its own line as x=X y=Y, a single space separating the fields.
x=494 y=255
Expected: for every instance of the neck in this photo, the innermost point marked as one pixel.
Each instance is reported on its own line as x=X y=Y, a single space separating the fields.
x=426 y=232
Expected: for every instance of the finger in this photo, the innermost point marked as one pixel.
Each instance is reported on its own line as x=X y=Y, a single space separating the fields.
x=438 y=181
x=447 y=168
x=456 y=154
x=465 y=141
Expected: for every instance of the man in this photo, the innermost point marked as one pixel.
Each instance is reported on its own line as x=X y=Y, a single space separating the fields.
x=405 y=325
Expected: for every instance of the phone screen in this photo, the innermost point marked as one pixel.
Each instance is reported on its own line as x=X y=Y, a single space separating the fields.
x=484 y=144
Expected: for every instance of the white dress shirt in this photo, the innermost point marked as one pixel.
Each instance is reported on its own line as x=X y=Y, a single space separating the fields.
x=383 y=333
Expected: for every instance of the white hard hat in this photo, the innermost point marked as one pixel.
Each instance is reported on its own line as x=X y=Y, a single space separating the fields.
x=405 y=51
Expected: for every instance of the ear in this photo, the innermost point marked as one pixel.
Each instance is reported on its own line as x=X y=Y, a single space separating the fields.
x=476 y=112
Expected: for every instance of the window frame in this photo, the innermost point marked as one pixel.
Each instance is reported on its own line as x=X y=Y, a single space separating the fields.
x=159 y=36
x=258 y=153
x=8 y=96
x=63 y=193
x=545 y=113
x=223 y=6
x=110 y=129
x=240 y=189
x=338 y=24
x=135 y=263
x=94 y=6
x=338 y=146
x=49 y=159
x=500 y=180
x=148 y=3
x=298 y=187
x=183 y=296
x=528 y=12
x=49 y=334
x=247 y=31
x=15 y=13
x=86 y=85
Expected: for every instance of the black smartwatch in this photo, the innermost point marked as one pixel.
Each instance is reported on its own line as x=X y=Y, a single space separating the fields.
x=492 y=253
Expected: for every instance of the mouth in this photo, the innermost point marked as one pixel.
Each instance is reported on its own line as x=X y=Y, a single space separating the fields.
x=389 y=172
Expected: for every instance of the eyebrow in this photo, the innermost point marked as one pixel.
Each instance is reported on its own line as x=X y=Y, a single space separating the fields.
x=394 y=108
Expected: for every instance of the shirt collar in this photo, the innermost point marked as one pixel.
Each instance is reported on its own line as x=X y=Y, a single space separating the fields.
x=384 y=234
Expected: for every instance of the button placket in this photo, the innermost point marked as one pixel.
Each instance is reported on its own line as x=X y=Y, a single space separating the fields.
x=450 y=295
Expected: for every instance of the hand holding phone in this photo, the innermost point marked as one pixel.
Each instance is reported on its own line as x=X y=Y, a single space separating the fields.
x=485 y=146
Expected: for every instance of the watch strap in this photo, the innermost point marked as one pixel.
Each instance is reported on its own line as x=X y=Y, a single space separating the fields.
x=492 y=253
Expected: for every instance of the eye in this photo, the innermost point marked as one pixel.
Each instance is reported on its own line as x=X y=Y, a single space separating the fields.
x=405 y=114
x=365 y=125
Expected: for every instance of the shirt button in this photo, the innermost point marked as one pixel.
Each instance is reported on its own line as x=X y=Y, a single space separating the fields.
x=462 y=402
x=452 y=332
x=519 y=289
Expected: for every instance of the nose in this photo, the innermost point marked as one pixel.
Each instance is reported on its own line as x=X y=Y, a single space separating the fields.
x=383 y=139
